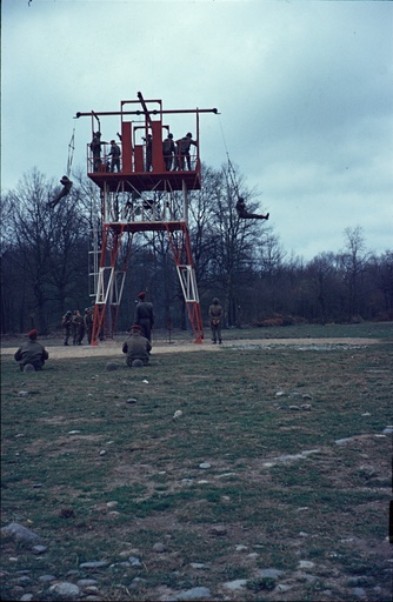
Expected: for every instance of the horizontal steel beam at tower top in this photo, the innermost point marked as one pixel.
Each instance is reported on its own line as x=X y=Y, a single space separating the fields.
x=141 y=112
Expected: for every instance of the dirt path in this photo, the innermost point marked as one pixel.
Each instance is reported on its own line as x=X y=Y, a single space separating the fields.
x=113 y=348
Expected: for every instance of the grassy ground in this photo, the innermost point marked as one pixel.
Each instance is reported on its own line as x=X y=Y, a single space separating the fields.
x=379 y=330
x=225 y=487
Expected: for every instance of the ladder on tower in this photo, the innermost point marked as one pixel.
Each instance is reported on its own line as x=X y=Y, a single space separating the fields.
x=93 y=254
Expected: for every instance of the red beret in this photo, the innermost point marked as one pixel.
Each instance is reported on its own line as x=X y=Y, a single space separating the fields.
x=33 y=334
x=142 y=295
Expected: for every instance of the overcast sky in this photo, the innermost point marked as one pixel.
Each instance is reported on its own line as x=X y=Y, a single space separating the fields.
x=304 y=90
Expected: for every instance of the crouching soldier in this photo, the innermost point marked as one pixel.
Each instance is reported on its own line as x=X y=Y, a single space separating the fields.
x=137 y=348
x=31 y=352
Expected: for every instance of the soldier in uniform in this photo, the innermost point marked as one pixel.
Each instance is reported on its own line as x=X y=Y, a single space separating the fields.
x=31 y=352
x=144 y=315
x=168 y=150
x=137 y=347
x=78 y=328
x=115 y=153
x=183 y=151
x=88 y=321
x=66 y=323
x=96 y=150
x=215 y=316
x=244 y=214
x=67 y=185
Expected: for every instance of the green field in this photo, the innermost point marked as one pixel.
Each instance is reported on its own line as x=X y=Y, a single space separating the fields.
x=249 y=477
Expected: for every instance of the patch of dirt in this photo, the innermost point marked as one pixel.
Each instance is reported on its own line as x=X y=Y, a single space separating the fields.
x=112 y=349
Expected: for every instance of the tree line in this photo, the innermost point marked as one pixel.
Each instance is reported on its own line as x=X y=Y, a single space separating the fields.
x=45 y=263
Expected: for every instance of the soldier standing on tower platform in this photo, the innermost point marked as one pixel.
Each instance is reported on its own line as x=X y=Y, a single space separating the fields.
x=183 y=150
x=115 y=152
x=96 y=150
x=168 y=150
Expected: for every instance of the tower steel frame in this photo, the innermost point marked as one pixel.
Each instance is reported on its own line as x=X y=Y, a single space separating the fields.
x=143 y=196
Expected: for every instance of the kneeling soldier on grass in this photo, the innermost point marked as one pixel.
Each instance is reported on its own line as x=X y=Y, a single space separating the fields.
x=31 y=352
x=137 y=348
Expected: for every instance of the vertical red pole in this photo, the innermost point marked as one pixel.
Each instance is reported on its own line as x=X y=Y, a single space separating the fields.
x=158 y=158
x=126 y=146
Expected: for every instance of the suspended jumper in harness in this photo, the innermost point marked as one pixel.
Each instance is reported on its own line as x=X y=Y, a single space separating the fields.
x=244 y=214
x=67 y=185
x=65 y=180
x=240 y=205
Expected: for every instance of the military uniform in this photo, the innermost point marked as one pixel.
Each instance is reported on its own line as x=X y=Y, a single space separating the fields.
x=169 y=150
x=88 y=321
x=96 y=150
x=115 y=152
x=66 y=323
x=244 y=214
x=144 y=315
x=31 y=352
x=183 y=151
x=137 y=347
x=215 y=316
x=78 y=328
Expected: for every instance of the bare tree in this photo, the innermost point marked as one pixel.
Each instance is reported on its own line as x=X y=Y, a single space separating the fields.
x=353 y=260
x=234 y=242
x=46 y=250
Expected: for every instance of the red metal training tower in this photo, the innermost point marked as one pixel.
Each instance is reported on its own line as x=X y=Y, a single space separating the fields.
x=144 y=195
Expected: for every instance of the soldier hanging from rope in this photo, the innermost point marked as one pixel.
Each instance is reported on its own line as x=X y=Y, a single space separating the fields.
x=241 y=205
x=244 y=214
x=67 y=185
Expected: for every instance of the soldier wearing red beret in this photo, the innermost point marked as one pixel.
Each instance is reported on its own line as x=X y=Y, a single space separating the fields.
x=31 y=352
x=137 y=347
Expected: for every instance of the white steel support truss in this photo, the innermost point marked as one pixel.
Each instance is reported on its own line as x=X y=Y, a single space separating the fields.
x=188 y=283
x=110 y=286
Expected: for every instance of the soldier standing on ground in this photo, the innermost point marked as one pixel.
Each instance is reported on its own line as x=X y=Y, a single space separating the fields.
x=31 y=352
x=215 y=316
x=78 y=328
x=144 y=315
x=88 y=321
x=66 y=323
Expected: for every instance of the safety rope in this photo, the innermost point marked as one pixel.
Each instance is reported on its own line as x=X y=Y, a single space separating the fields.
x=71 y=148
x=231 y=170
